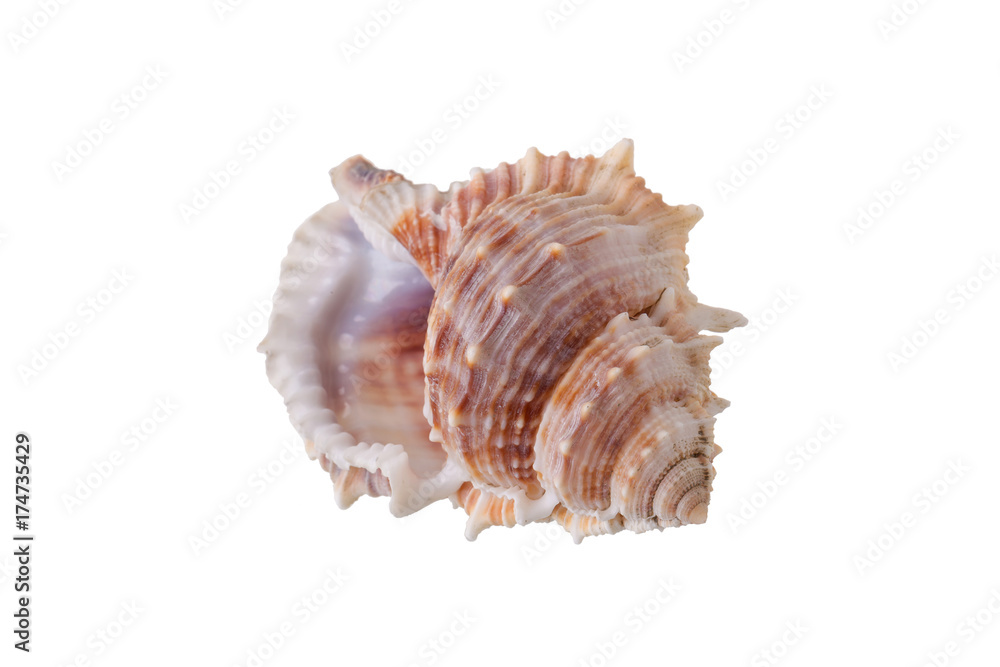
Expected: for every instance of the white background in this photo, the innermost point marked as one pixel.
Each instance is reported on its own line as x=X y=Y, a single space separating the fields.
x=816 y=552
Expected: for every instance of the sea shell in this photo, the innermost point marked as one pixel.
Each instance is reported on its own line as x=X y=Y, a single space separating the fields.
x=524 y=344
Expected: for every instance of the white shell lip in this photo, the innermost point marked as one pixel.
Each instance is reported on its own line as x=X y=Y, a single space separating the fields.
x=324 y=264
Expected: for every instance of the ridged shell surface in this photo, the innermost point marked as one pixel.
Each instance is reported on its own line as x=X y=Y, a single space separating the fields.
x=524 y=344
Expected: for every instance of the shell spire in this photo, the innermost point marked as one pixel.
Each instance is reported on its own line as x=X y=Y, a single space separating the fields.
x=562 y=375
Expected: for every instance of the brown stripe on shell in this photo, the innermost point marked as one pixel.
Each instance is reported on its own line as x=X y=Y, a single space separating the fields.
x=625 y=419
x=349 y=485
x=484 y=509
x=568 y=264
x=581 y=526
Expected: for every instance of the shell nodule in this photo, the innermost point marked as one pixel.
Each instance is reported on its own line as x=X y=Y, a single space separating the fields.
x=524 y=344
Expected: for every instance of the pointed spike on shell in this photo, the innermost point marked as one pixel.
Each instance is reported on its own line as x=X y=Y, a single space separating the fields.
x=617 y=322
x=485 y=510
x=556 y=250
x=665 y=306
x=346 y=494
x=620 y=156
x=356 y=176
x=638 y=353
x=531 y=156
x=710 y=318
x=694 y=213
x=582 y=526
x=354 y=180
x=398 y=218
x=350 y=485
x=715 y=405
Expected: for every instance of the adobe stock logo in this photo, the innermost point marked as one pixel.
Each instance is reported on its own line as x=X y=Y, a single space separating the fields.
x=252 y=145
x=899 y=16
x=454 y=117
x=131 y=441
x=249 y=325
x=105 y=637
x=122 y=107
x=223 y=8
x=786 y=127
x=922 y=502
x=559 y=14
x=307 y=607
x=711 y=31
x=910 y=172
x=926 y=329
x=232 y=509
x=32 y=24
x=87 y=311
x=435 y=648
x=744 y=338
x=779 y=648
x=796 y=458
x=366 y=33
x=966 y=632
x=634 y=621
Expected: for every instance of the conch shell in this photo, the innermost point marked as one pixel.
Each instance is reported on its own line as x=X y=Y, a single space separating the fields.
x=524 y=344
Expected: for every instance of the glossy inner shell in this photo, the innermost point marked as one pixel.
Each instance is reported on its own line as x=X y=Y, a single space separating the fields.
x=369 y=342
